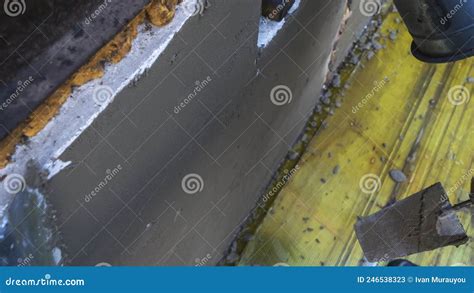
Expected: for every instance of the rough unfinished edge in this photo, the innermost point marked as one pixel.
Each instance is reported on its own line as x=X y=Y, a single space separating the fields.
x=269 y=29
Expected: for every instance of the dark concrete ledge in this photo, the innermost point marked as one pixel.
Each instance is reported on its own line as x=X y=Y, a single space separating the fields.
x=47 y=43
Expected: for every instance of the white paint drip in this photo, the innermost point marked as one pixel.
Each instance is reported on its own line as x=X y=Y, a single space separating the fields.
x=80 y=109
x=269 y=29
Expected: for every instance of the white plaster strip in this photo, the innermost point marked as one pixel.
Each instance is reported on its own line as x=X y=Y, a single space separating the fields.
x=81 y=109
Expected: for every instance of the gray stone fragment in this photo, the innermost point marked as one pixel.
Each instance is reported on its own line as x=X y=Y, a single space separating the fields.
x=398 y=176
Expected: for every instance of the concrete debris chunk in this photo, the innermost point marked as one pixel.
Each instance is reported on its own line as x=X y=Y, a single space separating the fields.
x=398 y=176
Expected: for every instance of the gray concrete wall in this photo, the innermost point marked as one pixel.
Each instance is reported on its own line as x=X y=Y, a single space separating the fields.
x=230 y=134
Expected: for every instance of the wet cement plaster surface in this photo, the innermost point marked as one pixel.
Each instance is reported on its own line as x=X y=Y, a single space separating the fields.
x=204 y=111
x=230 y=134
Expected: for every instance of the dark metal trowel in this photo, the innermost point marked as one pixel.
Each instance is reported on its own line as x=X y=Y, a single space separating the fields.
x=421 y=222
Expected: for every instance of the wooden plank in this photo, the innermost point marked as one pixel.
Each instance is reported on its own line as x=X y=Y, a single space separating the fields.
x=396 y=115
